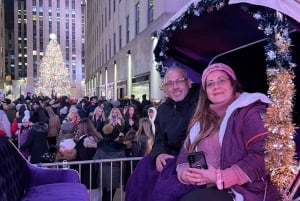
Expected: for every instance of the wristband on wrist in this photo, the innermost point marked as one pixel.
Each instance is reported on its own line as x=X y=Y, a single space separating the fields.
x=220 y=182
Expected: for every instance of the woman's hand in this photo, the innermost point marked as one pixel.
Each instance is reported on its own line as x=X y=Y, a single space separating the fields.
x=197 y=176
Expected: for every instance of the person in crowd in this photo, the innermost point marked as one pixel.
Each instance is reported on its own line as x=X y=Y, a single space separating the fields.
x=109 y=147
x=136 y=103
x=54 y=126
x=228 y=128
x=91 y=107
x=107 y=106
x=66 y=150
x=145 y=105
x=145 y=136
x=82 y=108
x=36 y=141
x=159 y=167
x=67 y=131
x=131 y=119
x=98 y=119
x=38 y=113
x=10 y=109
x=62 y=107
x=22 y=133
x=86 y=148
x=152 y=112
x=116 y=119
x=72 y=116
x=4 y=124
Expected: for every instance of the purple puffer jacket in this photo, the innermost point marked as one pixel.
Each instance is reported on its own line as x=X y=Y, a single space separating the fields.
x=242 y=135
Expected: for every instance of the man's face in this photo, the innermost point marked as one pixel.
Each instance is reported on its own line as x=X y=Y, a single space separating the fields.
x=176 y=85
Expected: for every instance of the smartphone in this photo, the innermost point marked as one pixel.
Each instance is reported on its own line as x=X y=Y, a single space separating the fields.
x=197 y=160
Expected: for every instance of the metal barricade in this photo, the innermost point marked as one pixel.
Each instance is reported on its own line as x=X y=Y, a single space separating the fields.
x=128 y=163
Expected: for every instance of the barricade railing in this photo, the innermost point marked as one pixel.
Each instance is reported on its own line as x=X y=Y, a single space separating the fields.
x=127 y=164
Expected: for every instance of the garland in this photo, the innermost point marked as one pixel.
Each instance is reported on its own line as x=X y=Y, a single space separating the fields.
x=182 y=23
x=280 y=147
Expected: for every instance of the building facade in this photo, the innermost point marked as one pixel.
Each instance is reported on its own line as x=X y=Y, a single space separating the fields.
x=2 y=45
x=120 y=39
x=34 y=21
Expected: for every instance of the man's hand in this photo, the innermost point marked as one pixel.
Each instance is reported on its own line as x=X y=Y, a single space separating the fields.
x=161 y=161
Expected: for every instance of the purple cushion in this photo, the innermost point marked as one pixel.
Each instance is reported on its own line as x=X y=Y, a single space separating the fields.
x=57 y=192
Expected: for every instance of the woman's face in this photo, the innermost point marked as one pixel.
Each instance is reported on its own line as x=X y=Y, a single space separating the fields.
x=131 y=111
x=99 y=112
x=218 y=87
x=73 y=115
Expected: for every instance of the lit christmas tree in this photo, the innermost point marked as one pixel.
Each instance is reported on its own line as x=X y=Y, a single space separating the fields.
x=54 y=75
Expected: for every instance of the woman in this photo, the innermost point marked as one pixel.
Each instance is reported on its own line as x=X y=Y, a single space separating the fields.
x=131 y=119
x=98 y=118
x=145 y=136
x=116 y=119
x=72 y=116
x=86 y=148
x=54 y=126
x=228 y=127
x=109 y=178
x=152 y=115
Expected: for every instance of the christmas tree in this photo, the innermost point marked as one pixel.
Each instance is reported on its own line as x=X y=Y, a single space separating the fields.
x=54 y=75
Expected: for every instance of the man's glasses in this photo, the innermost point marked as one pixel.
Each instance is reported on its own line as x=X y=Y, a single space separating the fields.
x=221 y=81
x=170 y=83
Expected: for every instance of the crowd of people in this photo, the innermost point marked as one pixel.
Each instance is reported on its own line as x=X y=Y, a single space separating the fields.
x=55 y=130
x=214 y=119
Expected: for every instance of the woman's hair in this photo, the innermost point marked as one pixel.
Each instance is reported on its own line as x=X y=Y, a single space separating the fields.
x=135 y=114
x=208 y=119
x=145 y=128
x=71 y=110
x=102 y=118
x=119 y=114
x=86 y=127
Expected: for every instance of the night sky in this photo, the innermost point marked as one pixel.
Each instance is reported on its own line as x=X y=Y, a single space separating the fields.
x=9 y=14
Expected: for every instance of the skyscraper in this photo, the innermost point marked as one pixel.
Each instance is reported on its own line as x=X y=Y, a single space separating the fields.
x=2 y=45
x=34 y=21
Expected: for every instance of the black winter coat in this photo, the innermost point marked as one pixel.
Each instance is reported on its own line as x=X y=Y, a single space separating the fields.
x=36 y=141
x=171 y=123
x=108 y=149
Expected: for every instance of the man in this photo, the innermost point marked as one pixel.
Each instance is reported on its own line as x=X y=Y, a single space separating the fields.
x=171 y=123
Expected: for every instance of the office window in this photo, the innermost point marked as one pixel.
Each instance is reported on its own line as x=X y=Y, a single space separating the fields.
x=150 y=11
x=115 y=45
x=120 y=37
x=114 y=5
x=109 y=9
x=105 y=13
x=127 y=29
x=137 y=18
x=109 y=48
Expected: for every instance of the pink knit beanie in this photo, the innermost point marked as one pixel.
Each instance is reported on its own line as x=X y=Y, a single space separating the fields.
x=214 y=67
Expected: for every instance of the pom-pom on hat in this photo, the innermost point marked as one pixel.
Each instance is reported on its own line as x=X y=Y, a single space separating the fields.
x=215 y=67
